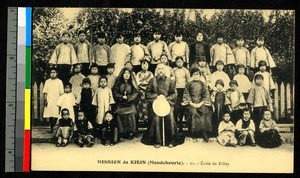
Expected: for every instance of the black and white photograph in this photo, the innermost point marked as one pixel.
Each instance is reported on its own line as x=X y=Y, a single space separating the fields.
x=162 y=90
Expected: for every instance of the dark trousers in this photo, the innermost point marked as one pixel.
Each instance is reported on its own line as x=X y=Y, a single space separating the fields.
x=64 y=72
x=178 y=109
x=258 y=113
x=85 y=69
x=136 y=68
x=102 y=70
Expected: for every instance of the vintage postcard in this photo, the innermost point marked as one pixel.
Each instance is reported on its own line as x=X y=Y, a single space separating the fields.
x=162 y=90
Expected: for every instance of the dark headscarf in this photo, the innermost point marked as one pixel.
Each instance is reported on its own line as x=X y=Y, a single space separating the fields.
x=120 y=79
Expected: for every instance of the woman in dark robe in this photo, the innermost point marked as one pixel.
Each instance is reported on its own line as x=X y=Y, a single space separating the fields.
x=125 y=93
x=196 y=100
x=199 y=50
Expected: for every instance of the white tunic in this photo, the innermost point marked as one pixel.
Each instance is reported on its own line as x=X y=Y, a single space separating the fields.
x=53 y=88
x=67 y=100
x=243 y=82
x=120 y=54
x=103 y=98
x=220 y=75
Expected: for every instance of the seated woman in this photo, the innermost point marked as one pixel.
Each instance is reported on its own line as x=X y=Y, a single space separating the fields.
x=125 y=93
x=196 y=100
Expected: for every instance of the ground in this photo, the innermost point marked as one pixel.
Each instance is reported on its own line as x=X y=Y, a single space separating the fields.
x=192 y=156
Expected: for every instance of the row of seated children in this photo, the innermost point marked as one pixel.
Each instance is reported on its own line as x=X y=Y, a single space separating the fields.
x=244 y=132
x=82 y=130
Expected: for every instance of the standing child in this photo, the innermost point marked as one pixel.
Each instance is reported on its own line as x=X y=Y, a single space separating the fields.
x=111 y=77
x=138 y=52
x=102 y=99
x=245 y=129
x=179 y=48
x=83 y=131
x=169 y=71
x=220 y=74
x=142 y=79
x=269 y=136
x=259 y=99
x=268 y=81
x=64 y=57
x=101 y=54
x=156 y=48
x=64 y=128
x=84 y=52
x=85 y=100
x=67 y=100
x=76 y=80
x=241 y=54
x=110 y=134
x=120 y=53
x=218 y=100
x=94 y=77
x=235 y=101
x=242 y=80
x=226 y=132
x=182 y=77
x=222 y=51
x=53 y=88
x=260 y=52
x=205 y=71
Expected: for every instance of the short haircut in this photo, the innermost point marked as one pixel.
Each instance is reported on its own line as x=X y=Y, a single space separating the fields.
x=52 y=68
x=110 y=65
x=179 y=58
x=136 y=35
x=86 y=80
x=262 y=63
x=220 y=82
x=219 y=62
x=81 y=31
x=101 y=35
x=194 y=70
x=219 y=35
x=102 y=77
x=158 y=32
x=240 y=66
x=68 y=84
x=94 y=65
x=177 y=33
x=77 y=64
x=66 y=33
x=145 y=60
x=262 y=38
x=240 y=37
x=257 y=76
x=267 y=110
x=246 y=110
x=233 y=82
x=63 y=110
x=164 y=55
x=119 y=35
x=128 y=62
x=226 y=113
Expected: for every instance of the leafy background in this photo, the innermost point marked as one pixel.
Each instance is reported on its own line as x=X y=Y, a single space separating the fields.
x=278 y=29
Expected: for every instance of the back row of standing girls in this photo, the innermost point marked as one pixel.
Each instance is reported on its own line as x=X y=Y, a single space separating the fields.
x=103 y=59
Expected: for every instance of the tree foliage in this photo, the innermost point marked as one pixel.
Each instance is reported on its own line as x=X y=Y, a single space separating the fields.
x=278 y=29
